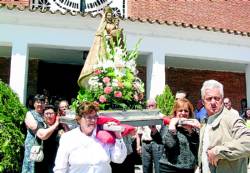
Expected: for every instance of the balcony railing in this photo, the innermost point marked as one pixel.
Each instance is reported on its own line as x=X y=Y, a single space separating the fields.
x=95 y=7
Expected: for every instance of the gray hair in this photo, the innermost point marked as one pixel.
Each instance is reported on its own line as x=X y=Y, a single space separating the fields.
x=211 y=84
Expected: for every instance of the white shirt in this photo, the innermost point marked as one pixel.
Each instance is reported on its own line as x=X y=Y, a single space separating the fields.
x=79 y=153
x=145 y=131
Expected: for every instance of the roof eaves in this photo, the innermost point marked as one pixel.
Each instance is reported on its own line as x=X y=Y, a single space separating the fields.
x=132 y=19
x=193 y=26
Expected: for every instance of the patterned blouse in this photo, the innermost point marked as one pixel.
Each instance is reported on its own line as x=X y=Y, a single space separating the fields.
x=28 y=165
x=180 y=149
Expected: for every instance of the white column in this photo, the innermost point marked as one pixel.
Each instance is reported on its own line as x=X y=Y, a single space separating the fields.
x=19 y=69
x=248 y=84
x=155 y=74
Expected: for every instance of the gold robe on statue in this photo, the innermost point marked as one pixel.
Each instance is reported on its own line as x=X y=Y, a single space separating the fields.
x=106 y=29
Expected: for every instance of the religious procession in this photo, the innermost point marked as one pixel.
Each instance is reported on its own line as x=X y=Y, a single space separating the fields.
x=118 y=123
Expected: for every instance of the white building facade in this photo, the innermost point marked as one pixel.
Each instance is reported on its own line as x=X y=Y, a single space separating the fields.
x=161 y=45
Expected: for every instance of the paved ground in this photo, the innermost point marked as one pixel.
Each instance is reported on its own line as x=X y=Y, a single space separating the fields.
x=138 y=169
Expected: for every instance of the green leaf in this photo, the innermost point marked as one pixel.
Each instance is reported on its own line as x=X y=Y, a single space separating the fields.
x=165 y=101
x=12 y=114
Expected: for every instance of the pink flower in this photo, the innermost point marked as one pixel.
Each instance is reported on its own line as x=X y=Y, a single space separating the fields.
x=97 y=71
x=118 y=94
x=136 y=98
x=108 y=90
x=102 y=99
x=106 y=79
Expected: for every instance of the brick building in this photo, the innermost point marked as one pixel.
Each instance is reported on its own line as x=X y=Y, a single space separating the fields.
x=183 y=43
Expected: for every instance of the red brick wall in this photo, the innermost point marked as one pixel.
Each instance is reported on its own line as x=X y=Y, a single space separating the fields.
x=32 y=74
x=191 y=81
x=5 y=69
x=33 y=77
x=232 y=15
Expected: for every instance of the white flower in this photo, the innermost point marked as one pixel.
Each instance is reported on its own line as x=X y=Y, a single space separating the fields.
x=119 y=62
x=107 y=64
x=115 y=80
x=93 y=81
x=132 y=66
x=100 y=84
x=119 y=51
x=114 y=83
x=120 y=72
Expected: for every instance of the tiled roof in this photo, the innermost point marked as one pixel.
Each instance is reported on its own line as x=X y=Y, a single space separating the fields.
x=213 y=15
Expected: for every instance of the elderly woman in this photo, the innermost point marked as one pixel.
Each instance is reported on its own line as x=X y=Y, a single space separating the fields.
x=37 y=130
x=180 y=140
x=80 y=151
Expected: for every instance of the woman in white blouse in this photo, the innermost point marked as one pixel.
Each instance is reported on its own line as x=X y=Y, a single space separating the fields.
x=81 y=152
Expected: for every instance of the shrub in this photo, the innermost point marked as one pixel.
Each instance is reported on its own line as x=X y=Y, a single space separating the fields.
x=12 y=114
x=165 y=101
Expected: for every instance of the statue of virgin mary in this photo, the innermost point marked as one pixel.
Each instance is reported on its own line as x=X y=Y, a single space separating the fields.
x=106 y=33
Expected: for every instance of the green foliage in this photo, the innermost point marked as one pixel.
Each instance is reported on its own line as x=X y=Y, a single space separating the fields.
x=165 y=101
x=11 y=137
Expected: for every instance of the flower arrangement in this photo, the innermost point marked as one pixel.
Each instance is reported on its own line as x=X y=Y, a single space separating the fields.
x=114 y=83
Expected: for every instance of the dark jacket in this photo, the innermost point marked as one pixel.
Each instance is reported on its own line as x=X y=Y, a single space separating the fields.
x=180 y=149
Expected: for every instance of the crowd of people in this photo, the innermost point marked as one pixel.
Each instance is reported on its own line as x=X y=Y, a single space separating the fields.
x=213 y=138
x=63 y=151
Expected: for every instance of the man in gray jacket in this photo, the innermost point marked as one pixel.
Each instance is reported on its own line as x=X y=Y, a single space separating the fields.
x=224 y=138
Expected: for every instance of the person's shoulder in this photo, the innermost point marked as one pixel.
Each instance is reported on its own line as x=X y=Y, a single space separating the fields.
x=28 y=114
x=230 y=116
x=233 y=114
x=235 y=111
x=29 y=117
x=71 y=134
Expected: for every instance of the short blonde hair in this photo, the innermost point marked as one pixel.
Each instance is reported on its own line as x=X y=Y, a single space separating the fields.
x=179 y=103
